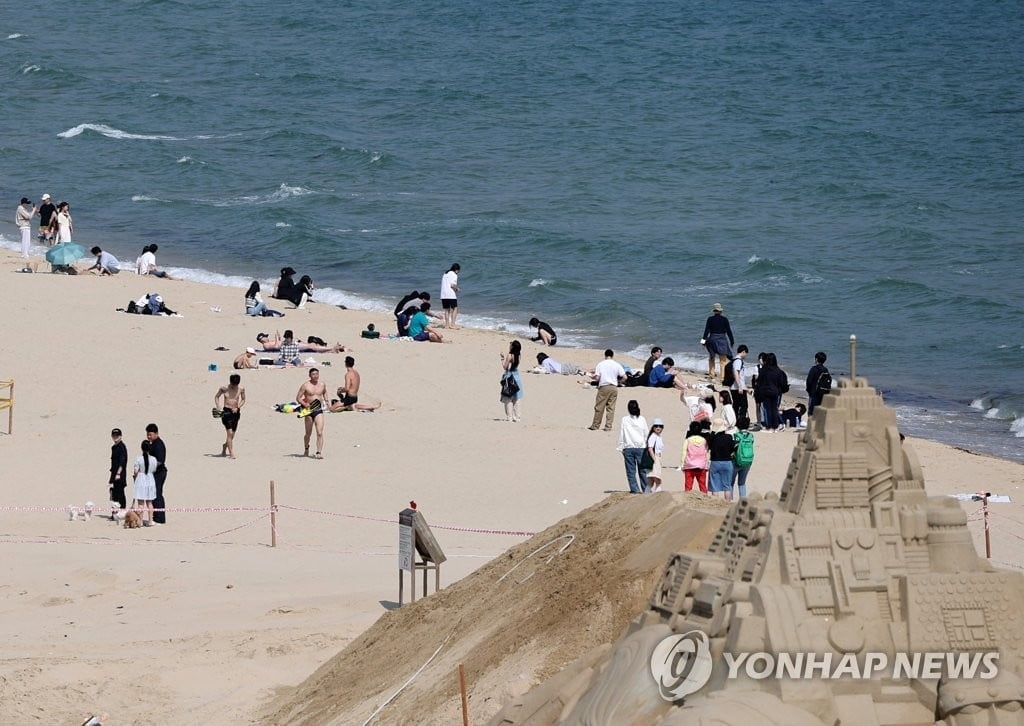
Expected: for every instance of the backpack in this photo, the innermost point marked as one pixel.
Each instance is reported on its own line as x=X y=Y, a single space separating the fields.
x=635 y=378
x=824 y=383
x=729 y=377
x=695 y=456
x=744 y=454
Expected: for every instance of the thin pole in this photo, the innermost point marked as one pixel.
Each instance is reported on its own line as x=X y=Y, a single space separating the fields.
x=988 y=537
x=465 y=698
x=273 y=516
x=853 y=357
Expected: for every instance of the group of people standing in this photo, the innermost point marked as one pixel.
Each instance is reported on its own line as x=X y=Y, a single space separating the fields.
x=55 y=223
x=149 y=473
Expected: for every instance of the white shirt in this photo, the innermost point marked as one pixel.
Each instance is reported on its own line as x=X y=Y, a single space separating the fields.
x=632 y=433
x=147 y=263
x=608 y=372
x=656 y=443
x=739 y=382
x=551 y=365
x=449 y=282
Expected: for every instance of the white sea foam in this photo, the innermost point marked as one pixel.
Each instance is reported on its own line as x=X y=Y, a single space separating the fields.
x=537 y=282
x=753 y=259
x=111 y=133
x=280 y=194
x=144 y=198
x=31 y=69
x=282 y=225
x=184 y=159
x=1017 y=427
x=12 y=36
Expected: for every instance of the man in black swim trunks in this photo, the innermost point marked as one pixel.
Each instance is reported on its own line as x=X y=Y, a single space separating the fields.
x=46 y=213
x=231 y=412
x=348 y=394
x=312 y=396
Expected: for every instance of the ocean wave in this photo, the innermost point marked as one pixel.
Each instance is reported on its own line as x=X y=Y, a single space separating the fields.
x=111 y=133
x=144 y=198
x=1003 y=407
x=282 y=193
x=32 y=68
x=539 y=281
x=12 y=36
x=282 y=225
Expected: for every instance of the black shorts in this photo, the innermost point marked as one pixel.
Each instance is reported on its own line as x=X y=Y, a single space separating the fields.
x=449 y=303
x=229 y=417
x=348 y=400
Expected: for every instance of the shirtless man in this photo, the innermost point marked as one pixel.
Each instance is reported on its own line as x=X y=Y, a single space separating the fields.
x=234 y=399
x=312 y=396
x=273 y=345
x=246 y=360
x=348 y=394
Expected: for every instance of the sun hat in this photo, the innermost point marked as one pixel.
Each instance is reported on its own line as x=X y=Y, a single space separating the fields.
x=658 y=422
x=46 y=197
x=716 y=308
x=251 y=350
x=718 y=425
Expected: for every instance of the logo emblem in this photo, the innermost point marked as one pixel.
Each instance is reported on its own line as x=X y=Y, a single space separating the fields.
x=681 y=664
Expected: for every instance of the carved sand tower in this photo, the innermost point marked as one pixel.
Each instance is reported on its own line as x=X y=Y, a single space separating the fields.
x=851 y=561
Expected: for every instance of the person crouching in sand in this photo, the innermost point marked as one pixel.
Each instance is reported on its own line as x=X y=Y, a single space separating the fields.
x=348 y=394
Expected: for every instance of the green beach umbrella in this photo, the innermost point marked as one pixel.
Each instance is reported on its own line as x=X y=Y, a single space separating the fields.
x=65 y=253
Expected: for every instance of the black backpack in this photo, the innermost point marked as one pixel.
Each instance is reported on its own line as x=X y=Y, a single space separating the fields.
x=729 y=376
x=824 y=383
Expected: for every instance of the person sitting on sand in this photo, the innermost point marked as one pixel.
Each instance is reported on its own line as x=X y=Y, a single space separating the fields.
x=285 y=286
x=289 y=351
x=146 y=264
x=254 y=304
x=246 y=360
x=106 y=263
x=302 y=293
x=545 y=333
x=547 y=364
x=273 y=345
x=664 y=375
x=348 y=394
x=419 y=326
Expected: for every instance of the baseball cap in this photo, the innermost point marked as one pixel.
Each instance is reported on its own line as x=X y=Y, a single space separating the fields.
x=26 y=200
x=46 y=197
x=251 y=350
x=115 y=432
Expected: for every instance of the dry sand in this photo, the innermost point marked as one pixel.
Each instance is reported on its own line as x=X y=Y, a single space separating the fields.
x=200 y=618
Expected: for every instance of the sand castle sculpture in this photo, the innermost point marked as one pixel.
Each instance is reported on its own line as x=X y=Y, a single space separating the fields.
x=851 y=563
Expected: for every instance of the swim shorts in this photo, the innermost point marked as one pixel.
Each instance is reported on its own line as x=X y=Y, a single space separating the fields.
x=229 y=417
x=449 y=303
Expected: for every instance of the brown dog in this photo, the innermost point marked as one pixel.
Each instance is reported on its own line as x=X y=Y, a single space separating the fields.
x=132 y=520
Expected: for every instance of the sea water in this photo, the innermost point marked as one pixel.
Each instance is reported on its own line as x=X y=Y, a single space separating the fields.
x=614 y=168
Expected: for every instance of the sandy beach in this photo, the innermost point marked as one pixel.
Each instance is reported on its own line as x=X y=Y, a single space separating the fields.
x=201 y=616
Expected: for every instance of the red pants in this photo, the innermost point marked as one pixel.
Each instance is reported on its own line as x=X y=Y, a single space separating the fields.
x=696 y=475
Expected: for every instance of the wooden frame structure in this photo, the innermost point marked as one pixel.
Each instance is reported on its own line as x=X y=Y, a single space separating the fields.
x=8 y=403
x=415 y=538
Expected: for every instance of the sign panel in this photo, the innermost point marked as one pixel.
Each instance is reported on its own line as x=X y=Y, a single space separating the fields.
x=405 y=547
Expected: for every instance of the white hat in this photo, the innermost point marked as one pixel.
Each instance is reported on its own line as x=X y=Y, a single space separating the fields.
x=658 y=422
x=158 y=298
x=718 y=425
x=251 y=350
x=46 y=197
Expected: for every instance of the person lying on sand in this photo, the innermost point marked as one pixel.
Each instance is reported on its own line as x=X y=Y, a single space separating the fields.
x=273 y=345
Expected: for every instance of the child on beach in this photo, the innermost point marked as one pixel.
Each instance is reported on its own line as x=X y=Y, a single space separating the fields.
x=145 y=483
x=655 y=447
x=793 y=417
x=695 y=459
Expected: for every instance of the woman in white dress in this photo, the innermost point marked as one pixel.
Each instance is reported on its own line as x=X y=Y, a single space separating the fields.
x=64 y=225
x=145 y=484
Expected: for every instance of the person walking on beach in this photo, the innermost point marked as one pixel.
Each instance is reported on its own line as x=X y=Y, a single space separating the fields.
x=47 y=211
x=118 y=469
x=234 y=398
x=816 y=377
x=145 y=490
x=546 y=335
x=159 y=452
x=632 y=441
x=609 y=375
x=312 y=397
x=449 y=295
x=510 y=364
x=718 y=340
x=348 y=394
x=23 y=218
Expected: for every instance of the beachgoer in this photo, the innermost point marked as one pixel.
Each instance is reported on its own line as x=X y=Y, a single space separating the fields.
x=348 y=394
x=743 y=457
x=65 y=225
x=159 y=452
x=286 y=285
x=771 y=384
x=106 y=263
x=420 y=328
x=149 y=262
x=655 y=447
x=118 y=469
x=758 y=403
x=312 y=397
x=449 y=295
x=145 y=491
x=662 y=375
x=735 y=378
x=254 y=304
x=545 y=333
x=510 y=364
x=609 y=375
x=23 y=218
x=47 y=212
x=246 y=360
x=717 y=338
x=273 y=345
x=726 y=411
x=794 y=417
x=632 y=441
x=289 y=351
x=302 y=292
x=403 y=319
x=650 y=363
x=549 y=365
x=234 y=398
x=695 y=460
x=814 y=391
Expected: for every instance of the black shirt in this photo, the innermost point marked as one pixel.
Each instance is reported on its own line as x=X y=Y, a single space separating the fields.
x=541 y=325
x=285 y=288
x=159 y=452
x=718 y=325
x=46 y=212
x=812 y=378
x=413 y=298
x=721 y=446
x=118 y=459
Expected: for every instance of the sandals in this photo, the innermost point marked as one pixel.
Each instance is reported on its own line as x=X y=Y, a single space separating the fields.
x=318 y=455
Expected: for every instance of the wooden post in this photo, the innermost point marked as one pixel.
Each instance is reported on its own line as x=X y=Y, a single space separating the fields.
x=853 y=357
x=465 y=699
x=10 y=411
x=273 y=516
x=984 y=513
